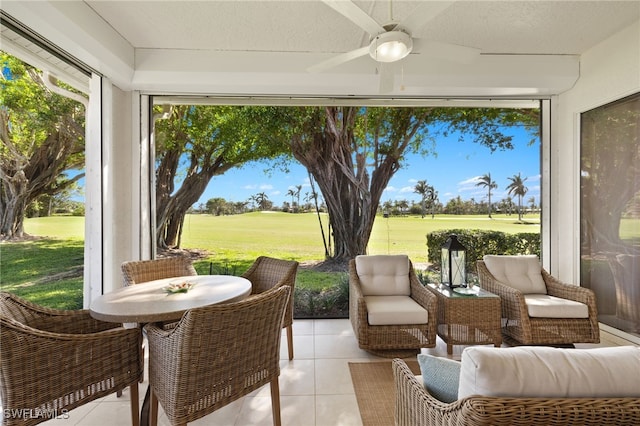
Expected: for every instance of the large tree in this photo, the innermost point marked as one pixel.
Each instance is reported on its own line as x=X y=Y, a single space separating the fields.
x=352 y=153
x=194 y=144
x=42 y=136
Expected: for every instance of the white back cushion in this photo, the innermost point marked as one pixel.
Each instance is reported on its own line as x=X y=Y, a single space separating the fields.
x=550 y=372
x=384 y=275
x=520 y=272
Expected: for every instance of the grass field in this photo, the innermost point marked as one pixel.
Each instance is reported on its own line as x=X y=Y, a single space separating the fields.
x=297 y=236
x=232 y=243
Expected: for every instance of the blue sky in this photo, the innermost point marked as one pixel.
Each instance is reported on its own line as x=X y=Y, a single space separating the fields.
x=453 y=172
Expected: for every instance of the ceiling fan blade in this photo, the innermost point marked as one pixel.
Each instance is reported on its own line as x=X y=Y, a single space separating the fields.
x=387 y=77
x=356 y=15
x=338 y=60
x=423 y=14
x=447 y=51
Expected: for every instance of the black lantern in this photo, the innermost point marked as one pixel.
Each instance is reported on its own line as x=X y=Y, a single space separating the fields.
x=452 y=271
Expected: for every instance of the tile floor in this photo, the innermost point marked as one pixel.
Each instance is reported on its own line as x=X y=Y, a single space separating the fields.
x=315 y=388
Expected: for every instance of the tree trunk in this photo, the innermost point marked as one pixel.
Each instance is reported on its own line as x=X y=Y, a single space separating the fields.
x=351 y=195
x=171 y=207
x=24 y=179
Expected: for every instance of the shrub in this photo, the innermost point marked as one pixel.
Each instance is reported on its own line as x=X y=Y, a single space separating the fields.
x=479 y=242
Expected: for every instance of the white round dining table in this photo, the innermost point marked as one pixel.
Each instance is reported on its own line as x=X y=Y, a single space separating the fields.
x=150 y=302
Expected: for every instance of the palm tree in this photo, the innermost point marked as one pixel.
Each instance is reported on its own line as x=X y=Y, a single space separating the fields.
x=486 y=182
x=262 y=199
x=429 y=196
x=297 y=193
x=292 y=193
x=422 y=188
x=516 y=187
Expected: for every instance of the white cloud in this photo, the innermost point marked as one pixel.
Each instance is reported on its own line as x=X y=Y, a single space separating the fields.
x=266 y=186
x=390 y=189
x=249 y=187
x=469 y=185
x=406 y=189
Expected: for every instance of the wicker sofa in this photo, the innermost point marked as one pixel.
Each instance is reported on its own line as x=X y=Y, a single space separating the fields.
x=416 y=406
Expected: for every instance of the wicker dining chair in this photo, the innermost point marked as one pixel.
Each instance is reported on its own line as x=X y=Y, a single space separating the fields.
x=139 y=271
x=266 y=273
x=216 y=355
x=521 y=328
x=53 y=361
x=391 y=339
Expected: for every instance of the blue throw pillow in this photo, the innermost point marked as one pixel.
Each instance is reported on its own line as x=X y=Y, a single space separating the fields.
x=440 y=376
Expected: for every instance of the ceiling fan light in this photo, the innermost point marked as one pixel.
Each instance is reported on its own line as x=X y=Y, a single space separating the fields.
x=390 y=46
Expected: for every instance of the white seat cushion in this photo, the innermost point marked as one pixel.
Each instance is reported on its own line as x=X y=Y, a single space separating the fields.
x=523 y=273
x=394 y=310
x=550 y=372
x=384 y=275
x=545 y=306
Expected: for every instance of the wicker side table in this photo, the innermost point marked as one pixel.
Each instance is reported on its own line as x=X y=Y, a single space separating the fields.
x=467 y=319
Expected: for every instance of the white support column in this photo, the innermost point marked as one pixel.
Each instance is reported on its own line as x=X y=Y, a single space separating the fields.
x=93 y=194
x=147 y=180
x=120 y=182
x=545 y=191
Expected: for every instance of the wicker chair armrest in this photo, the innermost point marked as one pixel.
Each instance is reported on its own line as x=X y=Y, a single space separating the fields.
x=415 y=406
x=358 y=313
x=355 y=287
x=249 y=272
x=49 y=319
x=423 y=297
x=557 y=288
x=356 y=296
x=70 y=334
x=159 y=330
x=79 y=322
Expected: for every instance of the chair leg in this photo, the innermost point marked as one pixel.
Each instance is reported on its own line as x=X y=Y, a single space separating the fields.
x=290 y=341
x=135 y=413
x=275 y=402
x=153 y=409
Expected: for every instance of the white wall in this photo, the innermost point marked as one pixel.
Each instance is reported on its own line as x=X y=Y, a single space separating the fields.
x=608 y=71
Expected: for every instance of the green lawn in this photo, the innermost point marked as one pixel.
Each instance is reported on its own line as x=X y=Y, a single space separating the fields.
x=233 y=242
x=297 y=236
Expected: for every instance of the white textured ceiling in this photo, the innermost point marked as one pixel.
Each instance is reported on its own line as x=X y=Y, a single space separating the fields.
x=241 y=47
x=495 y=27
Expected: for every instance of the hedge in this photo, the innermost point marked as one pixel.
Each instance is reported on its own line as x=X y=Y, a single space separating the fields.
x=479 y=242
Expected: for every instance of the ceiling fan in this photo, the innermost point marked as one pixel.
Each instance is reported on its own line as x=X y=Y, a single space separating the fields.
x=393 y=42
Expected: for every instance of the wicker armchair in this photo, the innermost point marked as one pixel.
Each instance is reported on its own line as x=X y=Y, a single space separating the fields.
x=266 y=273
x=416 y=407
x=54 y=361
x=520 y=328
x=216 y=355
x=389 y=341
x=139 y=271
